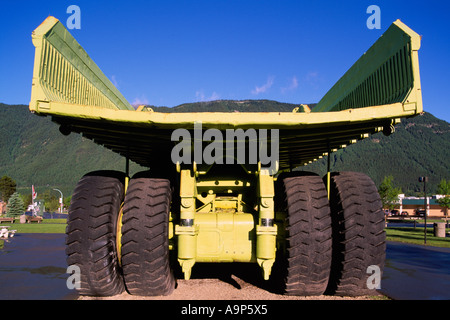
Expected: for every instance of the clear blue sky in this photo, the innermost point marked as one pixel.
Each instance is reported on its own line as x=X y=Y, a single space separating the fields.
x=166 y=53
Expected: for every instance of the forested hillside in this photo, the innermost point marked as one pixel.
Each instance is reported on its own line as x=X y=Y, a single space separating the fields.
x=233 y=106
x=33 y=151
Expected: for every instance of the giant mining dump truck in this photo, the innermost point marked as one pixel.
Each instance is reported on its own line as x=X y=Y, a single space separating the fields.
x=220 y=186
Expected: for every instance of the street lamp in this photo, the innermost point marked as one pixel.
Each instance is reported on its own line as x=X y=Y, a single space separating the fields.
x=425 y=180
x=60 y=199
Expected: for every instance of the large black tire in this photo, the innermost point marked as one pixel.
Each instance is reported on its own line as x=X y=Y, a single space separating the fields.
x=359 y=240
x=305 y=265
x=91 y=232
x=145 y=237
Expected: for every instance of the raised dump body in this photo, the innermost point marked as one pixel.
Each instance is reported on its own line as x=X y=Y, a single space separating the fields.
x=220 y=186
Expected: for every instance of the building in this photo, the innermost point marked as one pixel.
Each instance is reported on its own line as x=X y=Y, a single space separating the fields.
x=2 y=207
x=411 y=205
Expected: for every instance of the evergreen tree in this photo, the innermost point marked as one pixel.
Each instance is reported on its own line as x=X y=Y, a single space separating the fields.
x=7 y=187
x=15 y=206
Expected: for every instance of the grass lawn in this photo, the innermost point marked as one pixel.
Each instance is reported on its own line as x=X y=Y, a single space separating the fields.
x=416 y=236
x=46 y=226
x=399 y=234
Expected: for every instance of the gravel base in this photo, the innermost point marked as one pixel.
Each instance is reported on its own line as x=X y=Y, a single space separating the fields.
x=225 y=283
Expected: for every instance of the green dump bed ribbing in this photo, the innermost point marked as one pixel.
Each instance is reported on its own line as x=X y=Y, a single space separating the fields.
x=387 y=73
x=63 y=72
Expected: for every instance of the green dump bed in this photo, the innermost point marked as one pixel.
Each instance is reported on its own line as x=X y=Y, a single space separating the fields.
x=379 y=89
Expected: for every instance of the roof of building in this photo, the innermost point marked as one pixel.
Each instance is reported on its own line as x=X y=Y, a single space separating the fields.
x=418 y=202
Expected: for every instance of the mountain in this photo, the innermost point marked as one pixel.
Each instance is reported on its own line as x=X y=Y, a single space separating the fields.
x=33 y=151
x=232 y=106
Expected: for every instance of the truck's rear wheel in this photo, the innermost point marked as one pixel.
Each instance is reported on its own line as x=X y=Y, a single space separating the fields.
x=306 y=263
x=91 y=232
x=145 y=237
x=358 y=233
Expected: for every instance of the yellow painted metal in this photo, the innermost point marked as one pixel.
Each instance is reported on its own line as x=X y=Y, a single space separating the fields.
x=265 y=193
x=328 y=184
x=63 y=72
x=225 y=237
x=223 y=226
x=187 y=241
x=328 y=154
x=188 y=193
x=223 y=120
x=187 y=247
x=119 y=223
x=216 y=237
x=187 y=230
x=387 y=73
x=119 y=235
x=383 y=84
x=266 y=248
x=379 y=89
x=302 y=135
x=266 y=231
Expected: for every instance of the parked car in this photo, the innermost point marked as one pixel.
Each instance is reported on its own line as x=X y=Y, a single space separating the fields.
x=420 y=213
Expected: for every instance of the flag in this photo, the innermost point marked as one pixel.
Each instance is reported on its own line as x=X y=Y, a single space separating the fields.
x=33 y=193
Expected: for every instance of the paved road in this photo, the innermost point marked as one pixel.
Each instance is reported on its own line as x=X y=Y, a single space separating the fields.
x=33 y=266
x=416 y=272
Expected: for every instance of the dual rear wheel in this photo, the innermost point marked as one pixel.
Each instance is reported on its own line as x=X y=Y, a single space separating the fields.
x=331 y=247
x=94 y=220
x=329 y=244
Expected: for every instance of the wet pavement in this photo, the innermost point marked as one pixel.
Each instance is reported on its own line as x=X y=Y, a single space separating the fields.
x=416 y=272
x=410 y=225
x=33 y=266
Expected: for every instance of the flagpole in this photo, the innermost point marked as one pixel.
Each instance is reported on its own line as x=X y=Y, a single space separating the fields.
x=32 y=202
x=33 y=196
